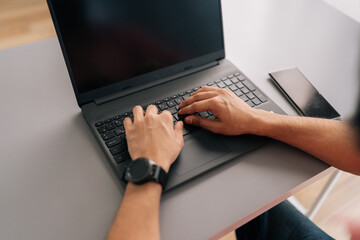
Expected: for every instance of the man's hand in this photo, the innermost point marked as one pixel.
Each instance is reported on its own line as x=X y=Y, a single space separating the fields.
x=151 y=136
x=154 y=136
x=232 y=115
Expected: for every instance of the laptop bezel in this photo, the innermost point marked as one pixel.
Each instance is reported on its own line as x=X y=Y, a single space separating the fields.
x=90 y=96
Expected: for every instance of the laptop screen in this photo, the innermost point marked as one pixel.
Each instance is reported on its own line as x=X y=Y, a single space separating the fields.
x=109 y=41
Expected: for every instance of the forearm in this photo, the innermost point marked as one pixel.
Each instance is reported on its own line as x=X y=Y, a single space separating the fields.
x=332 y=141
x=138 y=215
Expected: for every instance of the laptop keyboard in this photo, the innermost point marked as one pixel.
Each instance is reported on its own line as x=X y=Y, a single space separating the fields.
x=112 y=130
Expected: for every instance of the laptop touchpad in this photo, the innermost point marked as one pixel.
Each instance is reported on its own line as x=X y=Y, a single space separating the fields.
x=198 y=151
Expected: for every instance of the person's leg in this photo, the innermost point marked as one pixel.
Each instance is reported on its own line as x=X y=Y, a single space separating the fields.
x=256 y=229
x=281 y=222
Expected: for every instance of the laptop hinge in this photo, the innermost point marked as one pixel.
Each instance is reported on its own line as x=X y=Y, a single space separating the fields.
x=125 y=92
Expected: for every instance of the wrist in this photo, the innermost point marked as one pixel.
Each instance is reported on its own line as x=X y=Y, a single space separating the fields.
x=263 y=123
x=146 y=187
x=162 y=162
x=151 y=191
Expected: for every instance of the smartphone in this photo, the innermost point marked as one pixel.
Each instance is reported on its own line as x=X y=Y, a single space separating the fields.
x=302 y=94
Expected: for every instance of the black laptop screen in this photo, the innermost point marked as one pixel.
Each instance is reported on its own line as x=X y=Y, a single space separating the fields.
x=108 y=41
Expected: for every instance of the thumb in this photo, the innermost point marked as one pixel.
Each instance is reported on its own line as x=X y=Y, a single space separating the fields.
x=179 y=132
x=127 y=124
x=212 y=125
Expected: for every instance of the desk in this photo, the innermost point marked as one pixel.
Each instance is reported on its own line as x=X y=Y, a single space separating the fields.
x=56 y=183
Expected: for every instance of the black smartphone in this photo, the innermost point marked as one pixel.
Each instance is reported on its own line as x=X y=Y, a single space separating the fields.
x=302 y=94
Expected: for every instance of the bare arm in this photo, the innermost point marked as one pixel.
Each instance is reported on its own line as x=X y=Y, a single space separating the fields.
x=151 y=136
x=332 y=141
x=138 y=215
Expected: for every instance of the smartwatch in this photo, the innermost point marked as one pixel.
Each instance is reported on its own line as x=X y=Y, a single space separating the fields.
x=143 y=170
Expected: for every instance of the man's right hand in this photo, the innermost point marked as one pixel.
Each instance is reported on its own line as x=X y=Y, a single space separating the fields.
x=154 y=136
x=232 y=115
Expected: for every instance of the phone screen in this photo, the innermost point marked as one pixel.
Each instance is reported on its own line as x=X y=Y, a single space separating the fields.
x=302 y=94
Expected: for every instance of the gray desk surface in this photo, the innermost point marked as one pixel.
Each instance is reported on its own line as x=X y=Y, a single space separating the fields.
x=55 y=182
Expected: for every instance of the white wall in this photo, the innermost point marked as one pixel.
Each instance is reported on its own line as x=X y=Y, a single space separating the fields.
x=349 y=7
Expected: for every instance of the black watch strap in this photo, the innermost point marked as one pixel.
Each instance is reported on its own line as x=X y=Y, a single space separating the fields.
x=160 y=176
x=143 y=170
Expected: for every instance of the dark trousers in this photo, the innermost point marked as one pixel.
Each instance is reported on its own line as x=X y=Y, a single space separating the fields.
x=283 y=221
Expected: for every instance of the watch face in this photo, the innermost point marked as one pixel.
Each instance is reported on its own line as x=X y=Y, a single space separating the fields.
x=139 y=170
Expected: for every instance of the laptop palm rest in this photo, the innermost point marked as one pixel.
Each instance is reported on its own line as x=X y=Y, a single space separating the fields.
x=198 y=151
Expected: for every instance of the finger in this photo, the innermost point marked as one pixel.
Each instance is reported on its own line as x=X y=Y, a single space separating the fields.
x=127 y=124
x=178 y=128
x=198 y=97
x=138 y=113
x=205 y=89
x=167 y=115
x=201 y=106
x=212 y=125
x=151 y=109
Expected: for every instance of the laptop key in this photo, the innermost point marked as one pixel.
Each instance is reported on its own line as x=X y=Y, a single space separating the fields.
x=233 y=88
x=163 y=106
x=98 y=124
x=167 y=99
x=178 y=100
x=171 y=104
x=113 y=142
x=256 y=101
x=189 y=91
x=108 y=120
x=235 y=80
x=181 y=94
x=122 y=147
x=244 y=98
x=240 y=85
x=249 y=85
x=110 y=126
x=101 y=129
x=123 y=137
x=228 y=82
x=221 y=85
x=107 y=135
x=115 y=150
x=120 y=131
x=127 y=114
x=119 y=123
x=172 y=110
x=186 y=96
x=241 y=77
x=245 y=90
x=118 y=117
x=238 y=93
x=176 y=117
x=250 y=95
x=122 y=157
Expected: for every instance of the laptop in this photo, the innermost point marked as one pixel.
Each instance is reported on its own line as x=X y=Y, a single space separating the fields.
x=122 y=53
